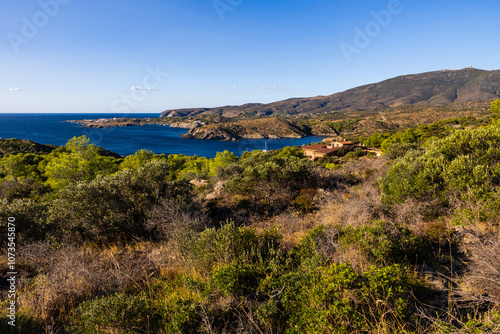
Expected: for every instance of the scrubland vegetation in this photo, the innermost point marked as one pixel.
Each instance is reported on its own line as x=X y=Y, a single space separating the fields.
x=264 y=243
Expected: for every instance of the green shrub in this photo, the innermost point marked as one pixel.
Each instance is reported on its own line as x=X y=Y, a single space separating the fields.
x=335 y=299
x=465 y=163
x=385 y=243
x=305 y=201
x=495 y=107
x=24 y=188
x=273 y=175
x=389 y=287
x=399 y=150
x=120 y=312
x=356 y=153
x=233 y=245
x=312 y=299
x=29 y=219
x=112 y=207
x=236 y=279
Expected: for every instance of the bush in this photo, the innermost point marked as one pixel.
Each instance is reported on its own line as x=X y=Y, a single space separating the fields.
x=233 y=245
x=113 y=207
x=385 y=243
x=24 y=188
x=495 y=107
x=356 y=153
x=30 y=219
x=305 y=201
x=465 y=163
x=119 y=312
x=399 y=150
x=237 y=279
x=335 y=299
x=272 y=179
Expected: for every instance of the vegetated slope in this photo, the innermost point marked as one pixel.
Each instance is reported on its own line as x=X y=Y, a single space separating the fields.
x=15 y=146
x=447 y=86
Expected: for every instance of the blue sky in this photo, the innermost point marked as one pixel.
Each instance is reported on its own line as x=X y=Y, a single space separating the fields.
x=86 y=56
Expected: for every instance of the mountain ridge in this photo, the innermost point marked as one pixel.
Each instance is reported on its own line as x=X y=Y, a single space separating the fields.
x=433 y=88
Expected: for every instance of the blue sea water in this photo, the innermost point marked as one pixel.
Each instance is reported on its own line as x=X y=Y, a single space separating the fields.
x=50 y=129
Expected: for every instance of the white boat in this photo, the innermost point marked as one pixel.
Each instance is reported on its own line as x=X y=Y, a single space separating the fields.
x=265 y=150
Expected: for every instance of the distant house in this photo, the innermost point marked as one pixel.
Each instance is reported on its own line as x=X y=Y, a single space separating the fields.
x=317 y=151
x=342 y=144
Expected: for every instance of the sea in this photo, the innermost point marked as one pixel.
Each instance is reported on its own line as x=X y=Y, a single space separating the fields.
x=51 y=129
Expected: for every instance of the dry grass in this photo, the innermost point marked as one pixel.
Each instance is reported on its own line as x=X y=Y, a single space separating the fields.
x=481 y=283
x=55 y=281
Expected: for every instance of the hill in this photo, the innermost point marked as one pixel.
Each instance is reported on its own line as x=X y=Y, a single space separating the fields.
x=15 y=146
x=431 y=88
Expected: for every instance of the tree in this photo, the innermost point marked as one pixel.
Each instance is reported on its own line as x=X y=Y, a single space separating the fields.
x=495 y=107
x=139 y=159
x=77 y=161
x=21 y=166
x=221 y=161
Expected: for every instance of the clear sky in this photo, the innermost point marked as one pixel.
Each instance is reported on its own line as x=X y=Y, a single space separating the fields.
x=114 y=55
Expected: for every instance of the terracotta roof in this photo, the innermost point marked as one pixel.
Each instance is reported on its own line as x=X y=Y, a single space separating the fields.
x=327 y=150
x=346 y=142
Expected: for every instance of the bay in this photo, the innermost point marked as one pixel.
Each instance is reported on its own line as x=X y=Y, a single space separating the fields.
x=50 y=129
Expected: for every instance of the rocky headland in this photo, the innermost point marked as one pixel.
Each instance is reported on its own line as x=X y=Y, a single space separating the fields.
x=256 y=129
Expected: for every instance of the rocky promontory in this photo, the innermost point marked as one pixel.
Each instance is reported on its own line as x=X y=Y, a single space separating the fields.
x=250 y=129
x=256 y=128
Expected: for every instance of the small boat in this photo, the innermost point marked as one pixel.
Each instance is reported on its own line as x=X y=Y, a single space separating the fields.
x=265 y=150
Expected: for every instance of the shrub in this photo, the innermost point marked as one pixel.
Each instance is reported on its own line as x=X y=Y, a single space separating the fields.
x=356 y=153
x=335 y=299
x=30 y=218
x=236 y=279
x=466 y=162
x=119 y=312
x=495 y=107
x=385 y=243
x=399 y=150
x=233 y=245
x=24 y=188
x=381 y=242
x=305 y=201
x=110 y=208
x=488 y=322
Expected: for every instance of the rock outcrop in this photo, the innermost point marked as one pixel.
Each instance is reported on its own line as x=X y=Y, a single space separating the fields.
x=250 y=129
